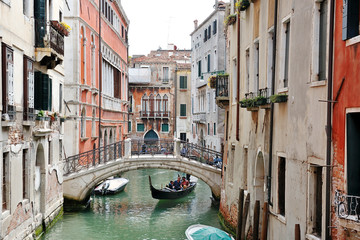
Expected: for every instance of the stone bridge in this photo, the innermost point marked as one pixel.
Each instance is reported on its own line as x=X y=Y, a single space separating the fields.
x=83 y=172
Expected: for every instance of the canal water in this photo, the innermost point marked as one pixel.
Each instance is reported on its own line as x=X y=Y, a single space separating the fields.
x=135 y=215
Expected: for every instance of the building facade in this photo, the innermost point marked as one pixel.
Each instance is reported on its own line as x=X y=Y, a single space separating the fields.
x=32 y=85
x=207 y=59
x=275 y=137
x=96 y=87
x=346 y=122
x=152 y=93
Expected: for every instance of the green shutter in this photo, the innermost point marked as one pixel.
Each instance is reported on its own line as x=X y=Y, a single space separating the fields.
x=140 y=127
x=183 y=82
x=165 y=127
x=43 y=90
x=40 y=21
x=183 y=110
x=129 y=126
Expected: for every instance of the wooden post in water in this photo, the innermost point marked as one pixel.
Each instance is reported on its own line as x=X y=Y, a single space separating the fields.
x=256 y=220
x=240 y=213
x=264 y=222
x=297 y=232
x=246 y=210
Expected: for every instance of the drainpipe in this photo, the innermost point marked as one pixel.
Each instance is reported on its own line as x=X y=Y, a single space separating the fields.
x=238 y=79
x=329 y=122
x=100 y=78
x=272 y=104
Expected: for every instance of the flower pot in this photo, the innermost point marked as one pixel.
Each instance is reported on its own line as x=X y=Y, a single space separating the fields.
x=261 y=101
x=279 y=98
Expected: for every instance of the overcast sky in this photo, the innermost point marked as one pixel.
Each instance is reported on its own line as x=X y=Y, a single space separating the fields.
x=155 y=23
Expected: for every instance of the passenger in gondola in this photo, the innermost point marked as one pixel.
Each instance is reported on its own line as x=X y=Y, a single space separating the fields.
x=184 y=183
x=177 y=184
x=171 y=184
x=143 y=148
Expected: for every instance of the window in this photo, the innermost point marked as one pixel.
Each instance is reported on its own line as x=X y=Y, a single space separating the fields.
x=83 y=56
x=208 y=63
x=117 y=83
x=350 y=25
x=140 y=127
x=281 y=185
x=353 y=153
x=208 y=128
x=93 y=66
x=108 y=76
x=214 y=27
x=151 y=105
x=270 y=64
x=93 y=124
x=205 y=35
x=208 y=102
x=256 y=68
x=165 y=127
x=247 y=56
x=234 y=93
x=60 y=97
x=214 y=128
x=28 y=89
x=131 y=104
x=286 y=54
x=43 y=91
x=5 y=182
x=183 y=82
x=322 y=40
x=182 y=110
x=8 y=81
x=183 y=137
x=165 y=74
x=83 y=124
x=199 y=68
x=158 y=104
x=165 y=104
x=209 y=32
x=129 y=126
x=315 y=188
x=144 y=104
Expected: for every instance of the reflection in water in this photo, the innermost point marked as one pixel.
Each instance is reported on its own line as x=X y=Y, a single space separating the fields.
x=134 y=214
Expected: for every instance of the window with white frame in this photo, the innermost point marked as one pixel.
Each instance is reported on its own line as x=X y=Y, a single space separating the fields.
x=281 y=180
x=270 y=63
x=28 y=89
x=315 y=199
x=234 y=80
x=351 y=17
x=247 y=59
x=165 y=74
x=93 y=62
x=8 y=81
x=285 y=53
x=256 y=68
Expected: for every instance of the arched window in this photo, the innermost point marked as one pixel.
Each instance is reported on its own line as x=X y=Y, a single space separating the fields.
x=158 y=105
x=165 y=107
x=151 y=105
x=83 y=55
x=93 y=66
x=83 y=124
x=144 y=106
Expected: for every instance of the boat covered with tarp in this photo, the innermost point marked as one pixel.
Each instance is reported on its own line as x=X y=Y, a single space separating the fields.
x=111 y=186
x=203 y=232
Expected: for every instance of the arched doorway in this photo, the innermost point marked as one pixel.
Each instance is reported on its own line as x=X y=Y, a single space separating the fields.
x=201 y=139
x=40 y=180
x=151 y=135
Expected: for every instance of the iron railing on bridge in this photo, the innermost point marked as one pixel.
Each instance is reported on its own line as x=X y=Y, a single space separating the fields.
x=93 y=157
x=201 y=154
x=152 y=147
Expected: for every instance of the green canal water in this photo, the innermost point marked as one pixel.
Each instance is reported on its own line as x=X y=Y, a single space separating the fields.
x=134 y=214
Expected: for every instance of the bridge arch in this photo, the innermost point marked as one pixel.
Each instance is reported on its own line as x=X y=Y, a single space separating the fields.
x=81 y=190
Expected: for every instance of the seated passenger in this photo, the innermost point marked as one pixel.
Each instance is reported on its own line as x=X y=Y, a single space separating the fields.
x=177 y=184
x=184 y=183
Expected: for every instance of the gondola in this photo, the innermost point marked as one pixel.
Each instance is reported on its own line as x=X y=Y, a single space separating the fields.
x=167 y=193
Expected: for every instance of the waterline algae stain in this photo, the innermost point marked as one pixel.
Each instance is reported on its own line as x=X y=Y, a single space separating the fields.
x=134 y=214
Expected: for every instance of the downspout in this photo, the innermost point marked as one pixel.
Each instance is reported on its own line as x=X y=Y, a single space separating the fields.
x=329 y=122
x=100 y=78
x=175 y=127
x=272 y=104
x=238 y=79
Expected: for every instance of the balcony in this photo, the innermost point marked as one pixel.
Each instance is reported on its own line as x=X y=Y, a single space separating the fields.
x=155 y=114
x=49 y=43
x=222 y=90
x=347 y=206
x=199 y=117
x=112 y=104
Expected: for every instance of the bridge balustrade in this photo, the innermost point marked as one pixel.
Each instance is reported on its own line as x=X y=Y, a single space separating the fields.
x=93 y=157
x=152 y=147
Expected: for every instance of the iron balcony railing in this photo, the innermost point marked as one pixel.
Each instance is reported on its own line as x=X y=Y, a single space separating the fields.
x=347 y=206
x=152 y=147
x=93 y=157
x=154 y=114
x=222 y=86
x=201 y=154
x=48 y=36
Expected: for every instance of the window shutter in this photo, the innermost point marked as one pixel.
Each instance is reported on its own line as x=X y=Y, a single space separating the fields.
x=214 y=27
x=208 y=63
x=10 y=77
x=40 y=21
x=185 y=81
x=43 y=90
x=350 y=27
x=183 y=110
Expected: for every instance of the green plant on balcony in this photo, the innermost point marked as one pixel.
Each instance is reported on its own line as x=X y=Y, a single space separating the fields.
x=278 y=98
x=242 y=5
x=247 y=103
x=62 y=27
x=230 y=19
x=54 y=116
x=260 y=100
x=212 y=81
x=41 y=115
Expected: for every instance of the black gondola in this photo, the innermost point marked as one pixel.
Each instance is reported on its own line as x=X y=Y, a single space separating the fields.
x=167 y=193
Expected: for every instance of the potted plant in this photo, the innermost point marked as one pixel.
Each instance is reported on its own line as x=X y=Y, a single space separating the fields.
x=260 y=100
x=54 y=116
x=41 y=115
x=246 y=103
x=212 y=82
x=67 y=28
x=242 y=5
x=230 y=19
x=62 y=119
x=278 y=98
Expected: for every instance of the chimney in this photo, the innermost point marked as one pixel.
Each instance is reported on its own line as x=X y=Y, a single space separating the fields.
x=196 y=23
